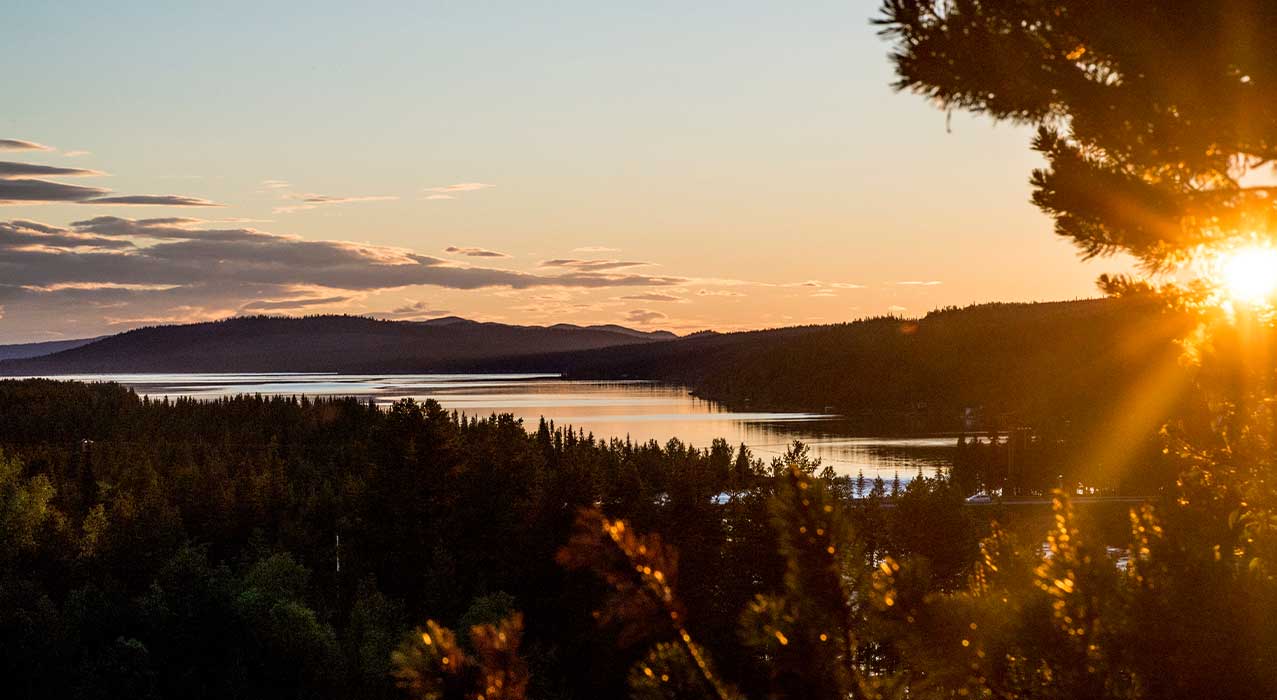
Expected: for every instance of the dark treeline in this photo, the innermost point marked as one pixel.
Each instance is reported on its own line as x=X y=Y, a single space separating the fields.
x=190 y=549
x=1027 y=463
x=1063 y=368
x=1067 y=370
x=1057 y=367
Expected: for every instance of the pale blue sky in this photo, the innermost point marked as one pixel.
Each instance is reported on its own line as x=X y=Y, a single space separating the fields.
x=741 y=148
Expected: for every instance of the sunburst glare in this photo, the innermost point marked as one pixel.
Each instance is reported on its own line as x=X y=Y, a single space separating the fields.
x=1249 y=274
x=1245 y=274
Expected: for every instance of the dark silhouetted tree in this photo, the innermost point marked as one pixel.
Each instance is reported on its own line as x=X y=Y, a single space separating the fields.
x=1150 y=113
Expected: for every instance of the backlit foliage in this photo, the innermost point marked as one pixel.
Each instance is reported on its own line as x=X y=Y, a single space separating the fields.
x=1151 y=114
x=432 y=665
x=806 y=637
x=641 y=572
x=1157 y=123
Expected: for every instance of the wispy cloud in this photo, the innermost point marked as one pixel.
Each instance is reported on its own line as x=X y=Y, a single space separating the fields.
x=818 y=284
x=652 y=296
x=275 y=184
x=20 y=145
x=920 y=283
x=286 y=304
x=30 y=191
x=76 y=154
x=164 y=200
x=34 y=235
x=168 y=227
x=592 y=265
x=330 y=199
x=20 y=184
x=413 y=311
x=643 y=316
x=311 y=201
x=475 y=252
x=9 y=169
x=62 y=278
x=596 y=249
x=460 y=187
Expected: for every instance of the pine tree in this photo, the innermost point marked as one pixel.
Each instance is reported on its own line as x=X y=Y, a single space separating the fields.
x=1154 y=117
x=1150 y=113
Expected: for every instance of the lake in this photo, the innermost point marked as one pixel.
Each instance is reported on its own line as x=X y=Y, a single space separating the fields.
x=640 y=410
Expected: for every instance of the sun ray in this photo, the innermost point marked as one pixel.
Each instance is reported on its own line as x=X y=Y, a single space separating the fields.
x=1245 y=275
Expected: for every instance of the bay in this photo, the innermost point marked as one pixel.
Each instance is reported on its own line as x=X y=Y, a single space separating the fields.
x=637 y=410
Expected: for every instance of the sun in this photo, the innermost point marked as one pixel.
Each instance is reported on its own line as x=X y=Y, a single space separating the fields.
x=1248 y=274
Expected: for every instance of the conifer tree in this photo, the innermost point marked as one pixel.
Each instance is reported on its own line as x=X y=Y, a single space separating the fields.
x=1150 y=114
x=1157 y=123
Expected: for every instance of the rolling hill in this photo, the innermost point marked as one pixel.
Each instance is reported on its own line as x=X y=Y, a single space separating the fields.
x=318 y=344
x=21 y=351
x=1066 y=363
x=1060 y=363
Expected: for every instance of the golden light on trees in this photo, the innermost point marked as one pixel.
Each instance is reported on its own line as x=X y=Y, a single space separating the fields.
x=1240 y=277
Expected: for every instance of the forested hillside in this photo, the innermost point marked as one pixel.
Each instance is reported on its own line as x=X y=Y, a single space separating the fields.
x=1047 y=365
x=318 y=344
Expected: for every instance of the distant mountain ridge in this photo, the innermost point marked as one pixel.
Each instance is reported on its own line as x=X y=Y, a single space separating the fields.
x=1054 y=363
x=314 y=344
x=20 y=351
x=613 y=328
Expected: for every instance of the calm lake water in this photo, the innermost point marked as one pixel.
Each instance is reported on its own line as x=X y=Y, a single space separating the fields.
x=641 y=410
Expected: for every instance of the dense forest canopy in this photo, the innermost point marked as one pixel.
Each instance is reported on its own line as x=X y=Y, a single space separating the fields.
x=161 y=549
x=255 y=547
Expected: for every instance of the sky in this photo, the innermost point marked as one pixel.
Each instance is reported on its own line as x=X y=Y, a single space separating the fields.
x=673 y=165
